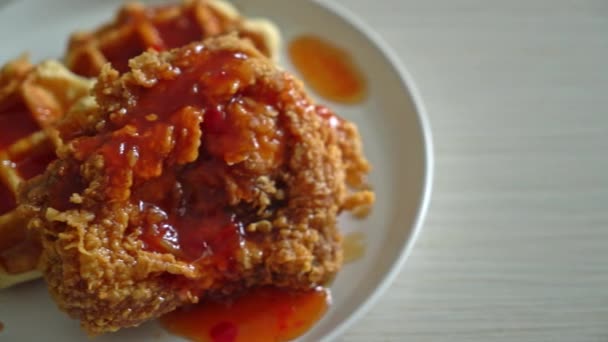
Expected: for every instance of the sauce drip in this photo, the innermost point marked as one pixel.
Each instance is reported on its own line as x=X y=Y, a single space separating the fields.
x=15 y=123
x=327 y=69
x=353 y=247
x=264 y=314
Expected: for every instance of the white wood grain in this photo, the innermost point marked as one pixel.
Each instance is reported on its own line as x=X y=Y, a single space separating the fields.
x=515 y=247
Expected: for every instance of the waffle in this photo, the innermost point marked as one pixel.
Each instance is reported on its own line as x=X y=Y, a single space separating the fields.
x=32 y=99
x=137 y=28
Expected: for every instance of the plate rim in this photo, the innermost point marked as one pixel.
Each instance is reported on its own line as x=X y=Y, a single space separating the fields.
x=407 y=80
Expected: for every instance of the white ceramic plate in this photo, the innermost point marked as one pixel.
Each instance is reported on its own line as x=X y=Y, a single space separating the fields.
x=392 y=122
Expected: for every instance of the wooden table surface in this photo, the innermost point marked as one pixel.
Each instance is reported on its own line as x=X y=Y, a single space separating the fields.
x=515 y=247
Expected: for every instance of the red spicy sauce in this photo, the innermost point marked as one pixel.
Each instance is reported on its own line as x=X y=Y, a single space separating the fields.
x=15 y=123
x=7 y=200
x=178 y=31
x=214 y=235
x=35 y=163
x=328 y=69
x=262 y=315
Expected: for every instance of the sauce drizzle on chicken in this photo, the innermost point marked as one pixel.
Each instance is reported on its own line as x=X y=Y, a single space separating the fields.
x=189 y=221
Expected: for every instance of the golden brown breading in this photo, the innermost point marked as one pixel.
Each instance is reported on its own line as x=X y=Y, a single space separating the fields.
x=206 y=171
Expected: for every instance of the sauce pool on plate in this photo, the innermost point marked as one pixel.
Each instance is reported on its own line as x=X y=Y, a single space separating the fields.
x=264 y=314
x=328 y=69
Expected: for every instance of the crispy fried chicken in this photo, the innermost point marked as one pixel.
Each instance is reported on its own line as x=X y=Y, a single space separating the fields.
x=206 y=171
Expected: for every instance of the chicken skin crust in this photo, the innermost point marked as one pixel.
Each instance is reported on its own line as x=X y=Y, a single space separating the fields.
x=205 y=171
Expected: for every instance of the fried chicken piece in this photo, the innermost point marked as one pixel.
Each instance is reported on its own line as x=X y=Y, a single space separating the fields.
x=138 y=27
x=206 y=171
